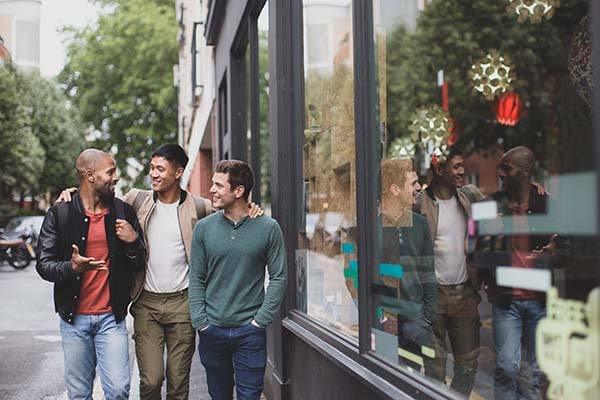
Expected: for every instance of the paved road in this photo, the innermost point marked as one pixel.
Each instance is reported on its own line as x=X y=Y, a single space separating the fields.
x=31 y=361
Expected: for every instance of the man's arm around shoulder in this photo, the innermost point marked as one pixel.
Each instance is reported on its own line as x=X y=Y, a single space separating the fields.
x=136 y=250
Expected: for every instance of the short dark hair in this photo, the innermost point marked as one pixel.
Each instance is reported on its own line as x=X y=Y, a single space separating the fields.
x=240 y=174
x=453 y=151
x=173 y=153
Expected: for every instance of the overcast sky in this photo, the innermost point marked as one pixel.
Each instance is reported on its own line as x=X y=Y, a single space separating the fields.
x=55 y=14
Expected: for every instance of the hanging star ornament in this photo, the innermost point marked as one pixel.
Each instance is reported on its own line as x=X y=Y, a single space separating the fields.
x=430 y=124
x=533 y=10
x=402 y=149
x=492 y=74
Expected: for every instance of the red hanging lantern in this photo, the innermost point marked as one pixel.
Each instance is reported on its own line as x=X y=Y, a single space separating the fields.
x=508 y=109
x=455 y=132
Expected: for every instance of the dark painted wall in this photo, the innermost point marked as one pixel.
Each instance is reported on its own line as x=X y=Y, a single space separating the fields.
x=314 y=377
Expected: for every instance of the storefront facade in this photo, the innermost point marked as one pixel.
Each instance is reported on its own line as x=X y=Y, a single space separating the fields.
x=325 y=97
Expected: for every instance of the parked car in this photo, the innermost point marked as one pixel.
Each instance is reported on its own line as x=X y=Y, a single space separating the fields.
x=17 y=226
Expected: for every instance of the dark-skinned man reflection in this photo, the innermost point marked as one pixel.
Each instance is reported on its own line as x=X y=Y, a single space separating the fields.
x=510 y=240
x=406 y=241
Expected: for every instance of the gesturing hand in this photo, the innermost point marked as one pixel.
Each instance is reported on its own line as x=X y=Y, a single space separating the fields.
x=125 y=231
x=82 y=264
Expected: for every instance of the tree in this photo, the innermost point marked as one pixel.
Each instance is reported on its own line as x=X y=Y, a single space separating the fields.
x=119 y=75
x=61 y=134
x=451 y=35
x=39 y=135
x=21 y=154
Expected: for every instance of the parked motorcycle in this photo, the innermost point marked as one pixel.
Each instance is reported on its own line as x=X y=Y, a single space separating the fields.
x=19 y=252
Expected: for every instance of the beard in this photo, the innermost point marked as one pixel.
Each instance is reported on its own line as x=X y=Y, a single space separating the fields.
x=106 y=195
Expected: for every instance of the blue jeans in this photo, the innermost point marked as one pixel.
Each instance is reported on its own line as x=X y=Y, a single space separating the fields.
x=238 y=352
x=412 y=336
x=517 y=374
x=96 y=339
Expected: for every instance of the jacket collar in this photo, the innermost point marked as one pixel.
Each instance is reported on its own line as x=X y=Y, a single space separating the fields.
x=182 y=196
x=429 y=192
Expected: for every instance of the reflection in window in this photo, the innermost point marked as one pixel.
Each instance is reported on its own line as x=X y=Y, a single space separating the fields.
x=491 y=106
x=329 y=171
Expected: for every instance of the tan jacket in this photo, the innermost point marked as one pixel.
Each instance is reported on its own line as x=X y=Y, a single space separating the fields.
x=429 y=208
x=187 y=213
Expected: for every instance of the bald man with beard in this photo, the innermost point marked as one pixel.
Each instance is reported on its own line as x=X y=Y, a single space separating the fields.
x=90 y=248
x=511 y=240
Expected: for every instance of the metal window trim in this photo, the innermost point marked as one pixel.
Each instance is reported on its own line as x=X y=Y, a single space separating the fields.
x=254 y=97
x=286 y=116
x=595 y=26
x=387 y=381
x=214 y=20
x=367 y=161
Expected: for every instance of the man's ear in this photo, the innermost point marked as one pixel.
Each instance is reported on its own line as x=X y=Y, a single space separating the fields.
x=395 y=189
x=178 y=172
x=239 y=191
x=438 y=170
x=89 y=175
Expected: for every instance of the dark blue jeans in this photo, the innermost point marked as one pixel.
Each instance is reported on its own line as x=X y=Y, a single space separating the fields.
x=517 y=374
x=234 y=355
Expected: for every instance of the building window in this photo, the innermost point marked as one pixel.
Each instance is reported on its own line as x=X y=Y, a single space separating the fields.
x=224 y=137
x=197 y=86
x=471 y=277
x=327 y=286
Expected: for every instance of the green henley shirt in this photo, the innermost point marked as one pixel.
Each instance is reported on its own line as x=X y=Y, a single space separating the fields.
x=227 y=271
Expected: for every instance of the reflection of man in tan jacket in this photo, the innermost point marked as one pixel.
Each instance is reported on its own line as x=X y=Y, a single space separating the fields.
x=447 y=206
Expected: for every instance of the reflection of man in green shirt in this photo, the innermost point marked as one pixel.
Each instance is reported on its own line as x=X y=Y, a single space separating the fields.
x=406 y=242
x=228 y=303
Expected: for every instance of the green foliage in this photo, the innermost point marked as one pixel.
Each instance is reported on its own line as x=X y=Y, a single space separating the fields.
x=59 y=131
x=21 y=155
x=119 y=75
x=451 y=35
x=39 y=135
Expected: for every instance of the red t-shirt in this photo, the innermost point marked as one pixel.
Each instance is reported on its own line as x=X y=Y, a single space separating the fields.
x=521 y=245
x=95 y=291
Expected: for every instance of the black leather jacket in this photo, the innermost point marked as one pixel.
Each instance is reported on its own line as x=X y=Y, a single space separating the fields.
x=54 y=257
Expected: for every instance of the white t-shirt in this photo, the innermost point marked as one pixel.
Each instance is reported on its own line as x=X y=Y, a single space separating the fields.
x=167 y=270
x=449 y=245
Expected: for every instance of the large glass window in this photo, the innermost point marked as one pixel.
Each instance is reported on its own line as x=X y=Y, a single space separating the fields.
x=326 y=284
x=488 y=204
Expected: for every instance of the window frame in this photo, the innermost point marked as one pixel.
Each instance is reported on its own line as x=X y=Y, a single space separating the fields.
x=286 y=120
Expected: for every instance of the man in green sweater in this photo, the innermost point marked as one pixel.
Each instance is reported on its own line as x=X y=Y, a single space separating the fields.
x=228 y=303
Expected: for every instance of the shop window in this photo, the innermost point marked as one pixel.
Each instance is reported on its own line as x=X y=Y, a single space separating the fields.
x=197 y=86
x=326 y=290
x=489 y=236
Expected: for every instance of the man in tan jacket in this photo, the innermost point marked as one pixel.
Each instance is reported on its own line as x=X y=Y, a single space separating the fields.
x=447 y=206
